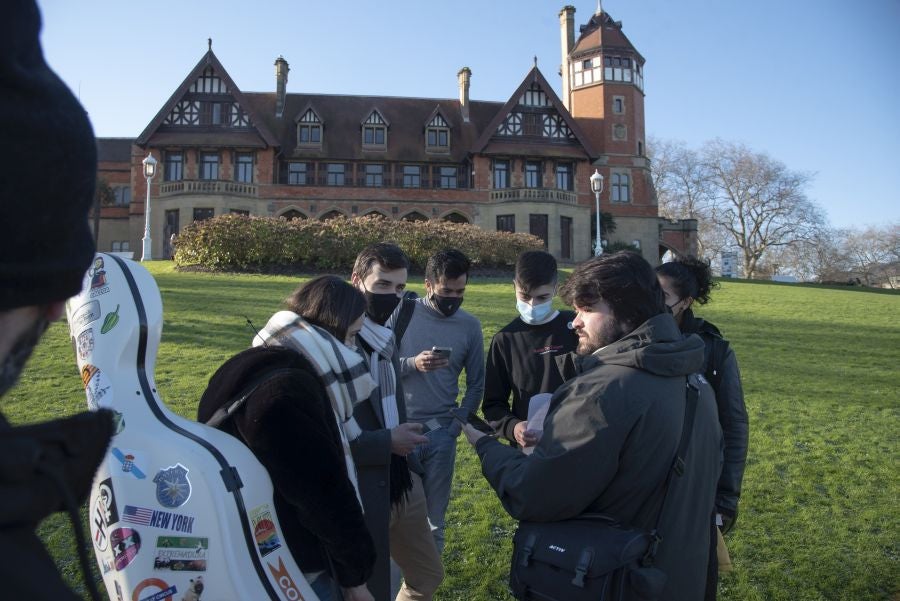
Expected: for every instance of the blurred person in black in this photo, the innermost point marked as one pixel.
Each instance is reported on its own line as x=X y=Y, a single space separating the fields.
x=48 y=166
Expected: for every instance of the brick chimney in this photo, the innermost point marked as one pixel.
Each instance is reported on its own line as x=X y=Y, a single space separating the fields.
x=281 y=78
x=567 y=42
x=464 y=75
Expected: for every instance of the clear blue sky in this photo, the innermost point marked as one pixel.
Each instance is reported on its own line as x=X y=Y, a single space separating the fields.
x=814 y=84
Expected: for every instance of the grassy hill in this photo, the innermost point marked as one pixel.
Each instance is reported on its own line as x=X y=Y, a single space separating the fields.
x=819 y=513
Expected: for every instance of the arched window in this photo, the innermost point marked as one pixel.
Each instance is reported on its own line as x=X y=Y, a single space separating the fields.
x=335 y=214
x=414 y=216
x=292 y=214
x=455 y=217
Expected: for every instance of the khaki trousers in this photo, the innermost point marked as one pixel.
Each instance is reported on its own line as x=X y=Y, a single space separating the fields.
x=412 y=547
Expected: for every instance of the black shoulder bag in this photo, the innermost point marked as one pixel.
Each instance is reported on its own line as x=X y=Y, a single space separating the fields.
x=593 y=557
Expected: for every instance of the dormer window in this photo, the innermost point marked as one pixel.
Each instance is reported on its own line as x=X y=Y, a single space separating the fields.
x=309 y=129
x=374 y=132
x=437 y=135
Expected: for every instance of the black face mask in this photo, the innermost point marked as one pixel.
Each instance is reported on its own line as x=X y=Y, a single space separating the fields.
x=380 y=306
x=446 y=304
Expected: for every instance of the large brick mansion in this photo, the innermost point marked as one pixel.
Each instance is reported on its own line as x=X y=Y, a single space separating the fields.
x=520 y=165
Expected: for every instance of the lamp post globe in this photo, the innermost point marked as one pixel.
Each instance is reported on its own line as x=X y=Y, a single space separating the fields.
x=597 y=188
x=150 y=165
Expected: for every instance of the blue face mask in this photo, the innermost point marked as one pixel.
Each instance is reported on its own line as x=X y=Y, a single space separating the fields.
x=534 y=314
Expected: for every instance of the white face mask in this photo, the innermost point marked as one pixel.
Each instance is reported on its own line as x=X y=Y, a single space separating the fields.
x=534 y=314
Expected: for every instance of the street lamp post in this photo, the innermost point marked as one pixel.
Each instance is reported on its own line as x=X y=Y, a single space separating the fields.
x=149 y=172
x=597 y=188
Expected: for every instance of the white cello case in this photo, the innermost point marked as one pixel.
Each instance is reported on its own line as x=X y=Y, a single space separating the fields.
x=178 y=511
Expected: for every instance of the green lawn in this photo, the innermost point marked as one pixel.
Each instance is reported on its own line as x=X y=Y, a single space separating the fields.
x=819 y=513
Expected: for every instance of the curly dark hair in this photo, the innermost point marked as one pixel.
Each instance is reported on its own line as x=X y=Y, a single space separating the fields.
x=691 y=277
x=624 y=279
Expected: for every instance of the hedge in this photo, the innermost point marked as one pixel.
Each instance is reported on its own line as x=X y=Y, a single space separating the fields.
x=240 y=243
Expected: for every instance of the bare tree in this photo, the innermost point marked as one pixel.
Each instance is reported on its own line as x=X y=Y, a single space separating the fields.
x=757 y=201
x=822 y=258
x=874 y=252
x=681 y=179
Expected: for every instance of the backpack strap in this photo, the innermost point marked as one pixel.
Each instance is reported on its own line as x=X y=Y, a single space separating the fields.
x=678 y=464
x=408 y=306
x=237 y=401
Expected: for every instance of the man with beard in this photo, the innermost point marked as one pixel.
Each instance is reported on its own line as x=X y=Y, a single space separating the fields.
x=392 y=493
x=613 y=428
x=48 y=164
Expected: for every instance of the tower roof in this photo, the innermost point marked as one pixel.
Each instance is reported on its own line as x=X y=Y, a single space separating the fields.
x=601 y=31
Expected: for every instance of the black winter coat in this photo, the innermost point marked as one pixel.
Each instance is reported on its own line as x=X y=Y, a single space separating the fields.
x=608 y=443
x=721 y=369
x=71 y=448
x=290 y=426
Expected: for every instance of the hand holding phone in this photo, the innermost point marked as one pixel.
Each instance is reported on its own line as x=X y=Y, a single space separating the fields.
x=438 y=357
x=464 y=416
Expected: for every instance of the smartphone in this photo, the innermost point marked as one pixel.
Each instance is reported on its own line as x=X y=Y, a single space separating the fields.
x=442 y=351
x=431 y=425
x=466 y=417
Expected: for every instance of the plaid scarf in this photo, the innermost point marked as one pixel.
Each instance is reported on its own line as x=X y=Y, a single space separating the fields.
x=341 y=371
x=381 y=340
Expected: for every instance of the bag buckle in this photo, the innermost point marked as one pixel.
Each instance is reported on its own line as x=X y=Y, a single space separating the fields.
x=581 y=570
x=678 y=466
x=527 y=550
x=650 y=555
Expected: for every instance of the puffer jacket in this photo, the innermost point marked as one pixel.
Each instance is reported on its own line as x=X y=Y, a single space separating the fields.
x=608 y=443
x=721 y=369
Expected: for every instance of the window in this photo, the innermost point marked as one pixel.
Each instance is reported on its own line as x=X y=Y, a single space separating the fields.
x=374 y=176
x=202 y=214
x=335 y=174
x=618 y=105
x=564 y=179
x=243 y=212
x=209 y=165
x=501 y=174
x=447 y=177
x=438 y=137
x=309 y=129
x=373 y=135
x=506 y=223
x=585 y=65
x=122 y=196
x=437 y=134
x=619 y=191
x=121 y=246
x=538 y=226
x=616 y=68
x=174 y=167
x=243 y=167
x=533 y=174
x=375 y=131
x=216 y=113
x=412 y=176
x=310 y=134
x=297 y=174
x=565 y=237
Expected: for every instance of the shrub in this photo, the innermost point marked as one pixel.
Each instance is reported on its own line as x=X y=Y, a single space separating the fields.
x=238 y=242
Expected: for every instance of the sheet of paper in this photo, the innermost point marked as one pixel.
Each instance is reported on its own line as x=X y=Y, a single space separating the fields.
x=537 y=411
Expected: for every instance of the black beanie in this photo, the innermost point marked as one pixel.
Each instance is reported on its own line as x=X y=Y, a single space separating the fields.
x=48 y=168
